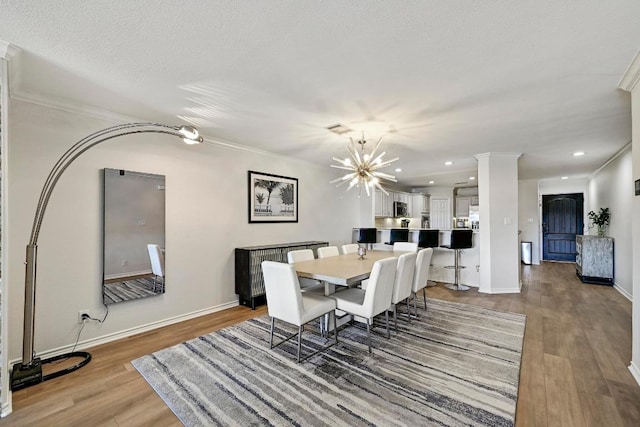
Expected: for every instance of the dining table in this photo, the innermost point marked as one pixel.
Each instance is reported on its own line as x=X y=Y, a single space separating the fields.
x=342 y=270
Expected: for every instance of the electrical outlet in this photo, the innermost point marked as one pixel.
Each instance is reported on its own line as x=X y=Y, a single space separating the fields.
x=83 y=315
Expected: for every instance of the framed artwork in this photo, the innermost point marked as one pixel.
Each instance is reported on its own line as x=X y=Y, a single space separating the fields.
x=272 y=198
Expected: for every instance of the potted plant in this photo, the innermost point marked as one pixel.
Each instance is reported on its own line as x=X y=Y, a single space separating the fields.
x=601 y=220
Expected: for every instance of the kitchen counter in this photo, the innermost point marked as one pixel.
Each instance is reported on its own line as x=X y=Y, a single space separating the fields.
x=470 y=258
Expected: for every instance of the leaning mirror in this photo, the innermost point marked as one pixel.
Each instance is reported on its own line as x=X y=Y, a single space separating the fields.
x=133 y=262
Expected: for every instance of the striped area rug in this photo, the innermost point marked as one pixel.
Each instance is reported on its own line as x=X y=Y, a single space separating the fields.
x=456 y=365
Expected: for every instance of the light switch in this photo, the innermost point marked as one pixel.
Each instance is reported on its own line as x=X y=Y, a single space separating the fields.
x=530 y=220
x=507 y=220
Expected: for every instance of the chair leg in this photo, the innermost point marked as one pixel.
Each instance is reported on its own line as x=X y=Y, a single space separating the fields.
x=300 y=329
x=408 y=311
x=424 y=294
x=273 y=319
x=395 y=317
x=369 y=335
x=386 y=316
x=415 y=304
x=335 y=326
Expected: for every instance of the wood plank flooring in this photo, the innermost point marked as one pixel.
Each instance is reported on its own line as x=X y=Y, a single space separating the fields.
x=574 y=372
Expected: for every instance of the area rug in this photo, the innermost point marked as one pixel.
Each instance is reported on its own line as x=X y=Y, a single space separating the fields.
x=456 y=365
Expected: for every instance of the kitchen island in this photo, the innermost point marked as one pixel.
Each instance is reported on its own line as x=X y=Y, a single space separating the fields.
x=441 y=256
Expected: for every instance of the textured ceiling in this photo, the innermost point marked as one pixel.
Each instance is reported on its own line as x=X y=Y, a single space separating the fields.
x=449 y=79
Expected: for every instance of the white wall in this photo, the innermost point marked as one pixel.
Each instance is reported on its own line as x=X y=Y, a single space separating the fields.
x=206 y=218
x=528 y=210
x=612 y=187
x=635 y=232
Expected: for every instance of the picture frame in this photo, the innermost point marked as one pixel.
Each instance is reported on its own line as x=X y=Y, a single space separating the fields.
x=272 y=198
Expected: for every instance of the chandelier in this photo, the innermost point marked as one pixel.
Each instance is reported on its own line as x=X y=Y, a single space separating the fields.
x=363 y=167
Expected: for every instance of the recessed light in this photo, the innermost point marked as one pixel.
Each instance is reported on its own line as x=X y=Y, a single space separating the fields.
x=471 y=178
x=578 y=154
x=565 y=177
x=398 y=169
x=432 y=182
x=449 y=163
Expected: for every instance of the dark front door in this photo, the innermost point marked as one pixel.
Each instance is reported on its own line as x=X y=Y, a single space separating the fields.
x=561 y=220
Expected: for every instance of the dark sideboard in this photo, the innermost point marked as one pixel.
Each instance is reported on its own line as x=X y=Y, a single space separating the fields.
x=249 y=280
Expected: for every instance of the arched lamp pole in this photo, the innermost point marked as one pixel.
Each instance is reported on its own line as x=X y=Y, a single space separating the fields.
x=29 y=371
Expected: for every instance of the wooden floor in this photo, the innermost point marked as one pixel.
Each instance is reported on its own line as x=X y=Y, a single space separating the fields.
x=574 y=366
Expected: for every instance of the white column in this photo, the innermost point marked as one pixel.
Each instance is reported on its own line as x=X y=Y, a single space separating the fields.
x=629 y=82
x=498 y=197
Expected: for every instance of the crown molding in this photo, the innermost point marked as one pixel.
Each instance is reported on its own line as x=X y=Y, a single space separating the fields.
x=7 y=50
x=497 y=154
x=116 y=118
x=631 y=76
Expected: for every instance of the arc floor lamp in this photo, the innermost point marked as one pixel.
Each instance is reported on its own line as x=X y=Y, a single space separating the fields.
x=29 y=371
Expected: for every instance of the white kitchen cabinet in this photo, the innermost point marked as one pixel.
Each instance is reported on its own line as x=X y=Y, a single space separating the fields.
x=383 y=204
x=462 y=207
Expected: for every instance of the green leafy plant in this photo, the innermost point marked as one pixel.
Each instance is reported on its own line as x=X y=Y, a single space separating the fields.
x=601 y=220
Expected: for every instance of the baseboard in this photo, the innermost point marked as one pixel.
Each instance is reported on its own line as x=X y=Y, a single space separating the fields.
x=129 y=274
x=626 y=294
x=6 y=409
x=515 y=290
x=635 y=372
x=83 y=345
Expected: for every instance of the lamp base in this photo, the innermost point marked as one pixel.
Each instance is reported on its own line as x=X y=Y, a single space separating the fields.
x=23 y=376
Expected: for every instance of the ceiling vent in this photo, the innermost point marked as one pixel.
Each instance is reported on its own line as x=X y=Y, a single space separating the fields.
x=339 y=129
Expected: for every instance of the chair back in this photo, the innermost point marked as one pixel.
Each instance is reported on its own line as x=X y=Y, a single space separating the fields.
x=350 y=248
x=421 y=275
x=300 y=255
x=461 y=239
x=377 y=298
x=328 y=251
x=157 y=259
x=405 y=246
x=398 y=235
x=405 y=269
x=429 y=238
x=284 y=298
x=368 y=235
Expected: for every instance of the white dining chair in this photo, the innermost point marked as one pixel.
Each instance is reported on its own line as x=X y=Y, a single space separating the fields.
x=403 y=285
x=405 y=246
x=421 y=276
x=157 y=263
x=376 y=299
x=351 y=248
x=287 y=303
x=328 y=251
x=306 y=285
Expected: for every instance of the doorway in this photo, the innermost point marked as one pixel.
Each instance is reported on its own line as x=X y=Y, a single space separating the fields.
x=562 y=219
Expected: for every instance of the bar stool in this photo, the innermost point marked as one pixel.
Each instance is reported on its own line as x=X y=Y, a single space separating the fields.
x=398 y=235
x=460 y=239
x=429 y=239
x=368 y=236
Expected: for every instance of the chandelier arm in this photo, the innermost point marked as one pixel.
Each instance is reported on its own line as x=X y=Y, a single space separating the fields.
x=379 y=158
x=344 y=178
x=375 y=149
x=347 y=168
x=381 y=188
x=385 y=163
x=383 y=175
x=366 y=188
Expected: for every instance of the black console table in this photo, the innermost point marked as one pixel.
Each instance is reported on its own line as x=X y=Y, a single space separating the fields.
x=249 y=280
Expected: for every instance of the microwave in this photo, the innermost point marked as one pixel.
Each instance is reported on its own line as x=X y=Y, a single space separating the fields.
x=399 y=209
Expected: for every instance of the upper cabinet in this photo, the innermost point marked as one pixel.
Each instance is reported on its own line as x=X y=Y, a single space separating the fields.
x=384 y=203
x=419 y=204
x=465 y=197
x=462 y=207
